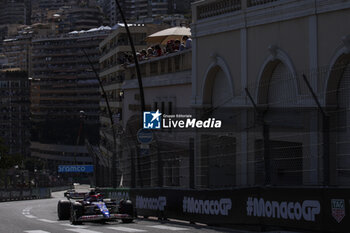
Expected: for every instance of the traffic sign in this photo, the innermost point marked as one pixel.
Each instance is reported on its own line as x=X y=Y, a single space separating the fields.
x=144 y=152
x=75 y=168
x=144 y=136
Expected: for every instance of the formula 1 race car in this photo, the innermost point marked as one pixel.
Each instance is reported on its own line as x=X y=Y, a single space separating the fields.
x=91 y=207
x=69 y=192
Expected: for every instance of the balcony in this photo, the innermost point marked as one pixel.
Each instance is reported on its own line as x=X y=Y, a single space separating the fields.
x=229 y=15
x=163 y=65
x=212 y=8
x=215 y=8
x=259 y=2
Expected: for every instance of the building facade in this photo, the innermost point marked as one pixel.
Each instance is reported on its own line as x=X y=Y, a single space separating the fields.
x=63 y=85
x=83 y=15
x=260 y=59
x=167 y=88
x=15 y=112
x=144 y=10
x=115 y=56
x=18 y=51
x=15 y=12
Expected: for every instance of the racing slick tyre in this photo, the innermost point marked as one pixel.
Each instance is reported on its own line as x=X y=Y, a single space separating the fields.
x=126 y=207
x=63 y=210
x=76 y=211
x=127 y=220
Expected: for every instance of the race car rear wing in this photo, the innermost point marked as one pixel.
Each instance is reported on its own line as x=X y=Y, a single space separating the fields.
x=76 y=195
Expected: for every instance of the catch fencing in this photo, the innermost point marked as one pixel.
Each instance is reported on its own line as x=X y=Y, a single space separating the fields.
x=293 y=208
x=278 y=135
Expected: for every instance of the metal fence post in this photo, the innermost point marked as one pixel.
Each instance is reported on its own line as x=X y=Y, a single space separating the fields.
x=267 y=159
x=325 y=131
x=191 y=150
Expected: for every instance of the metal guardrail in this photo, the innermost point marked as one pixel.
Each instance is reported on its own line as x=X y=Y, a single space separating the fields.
x=29 y=194
x=24 y=194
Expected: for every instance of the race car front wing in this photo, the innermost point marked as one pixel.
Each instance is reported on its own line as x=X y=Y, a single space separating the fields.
x=97 y=217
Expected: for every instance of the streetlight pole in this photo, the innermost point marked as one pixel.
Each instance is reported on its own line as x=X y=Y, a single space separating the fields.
x=114 y=155
x=139 y=78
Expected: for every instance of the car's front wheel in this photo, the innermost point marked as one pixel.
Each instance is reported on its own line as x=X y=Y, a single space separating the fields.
x=75 y=213
x=63 y=210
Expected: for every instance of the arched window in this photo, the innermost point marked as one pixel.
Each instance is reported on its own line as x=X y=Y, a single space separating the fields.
x=278 y=92
x=343 y=129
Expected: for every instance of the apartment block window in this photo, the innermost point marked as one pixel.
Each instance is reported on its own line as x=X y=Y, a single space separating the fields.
x=170 y=108
x=163 y=107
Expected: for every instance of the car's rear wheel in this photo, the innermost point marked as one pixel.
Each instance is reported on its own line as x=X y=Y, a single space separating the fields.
x=126 y=207
x=63 y=210
x=127 y=220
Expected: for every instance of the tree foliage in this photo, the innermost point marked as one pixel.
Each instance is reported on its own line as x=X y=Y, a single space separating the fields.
x=7 y=160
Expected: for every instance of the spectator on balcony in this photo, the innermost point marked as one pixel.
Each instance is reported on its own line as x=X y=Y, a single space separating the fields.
x=158 y=50
x=177 y=45
x=143 y=54
x=169 y=47
x=150 y=52
x=187 y=42
x=139 y=56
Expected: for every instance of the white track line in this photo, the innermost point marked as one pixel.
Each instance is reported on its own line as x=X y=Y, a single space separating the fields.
x=47 y=220
x=126 y=229
x=83 y=231
x=36 y=231
x=74 y=226
x=162 y=227
x=30 y=216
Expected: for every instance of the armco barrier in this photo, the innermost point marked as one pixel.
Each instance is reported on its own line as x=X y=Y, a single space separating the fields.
x=24 y=194
x=317 y=209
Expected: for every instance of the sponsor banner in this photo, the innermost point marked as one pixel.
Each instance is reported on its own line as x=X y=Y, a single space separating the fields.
x=207 y=207
x=150 y=203
x=337 y=206
x=338 y=209
x=317 y=209
x=75 y=168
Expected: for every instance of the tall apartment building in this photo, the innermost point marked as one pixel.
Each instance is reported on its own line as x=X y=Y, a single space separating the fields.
x=69 y=15
x=82 y=16
x=14 y=111
x=63 y=85
x=180 y=6
x=18 y=45
x=111 y=10
x=15 y=11
x=141 y=9
x=18 y=50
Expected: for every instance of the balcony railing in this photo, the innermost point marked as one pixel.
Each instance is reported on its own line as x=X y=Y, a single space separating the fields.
x=218 y=8
x=212 y=8
x=259 y=2
x=174 y=62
